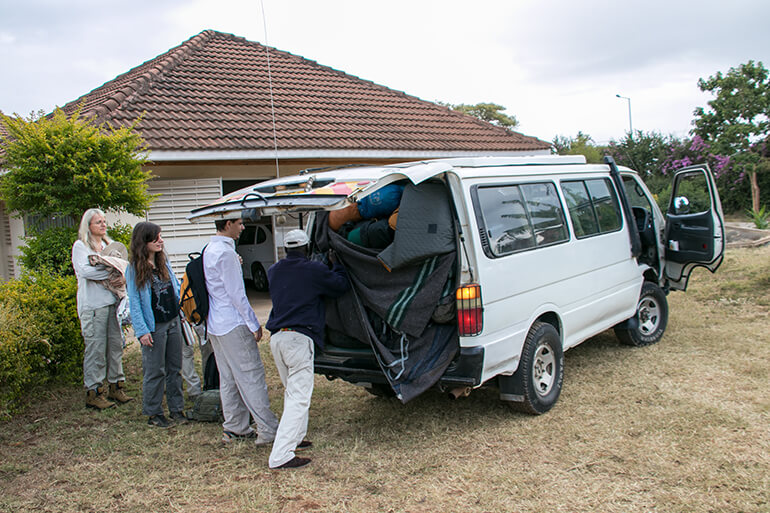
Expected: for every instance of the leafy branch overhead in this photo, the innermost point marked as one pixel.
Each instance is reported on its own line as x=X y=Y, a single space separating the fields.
x=60 y=165
x=489 y=112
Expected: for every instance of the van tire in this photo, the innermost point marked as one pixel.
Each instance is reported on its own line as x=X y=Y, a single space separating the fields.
x=538 y=379
x=259 y=277
x=649 y=323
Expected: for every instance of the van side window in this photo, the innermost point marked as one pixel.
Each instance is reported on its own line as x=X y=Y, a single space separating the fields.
x=593 y=206
x=520 y=217
x=247 y=235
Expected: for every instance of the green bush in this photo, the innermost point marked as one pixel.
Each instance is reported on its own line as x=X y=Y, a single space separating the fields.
x=22 y=356
x=50 y=250
x=42 y=333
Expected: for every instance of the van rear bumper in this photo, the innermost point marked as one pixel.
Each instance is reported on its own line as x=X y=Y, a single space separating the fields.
x=360 y=367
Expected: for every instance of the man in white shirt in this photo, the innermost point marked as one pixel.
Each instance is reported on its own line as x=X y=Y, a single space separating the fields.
x=234 y=331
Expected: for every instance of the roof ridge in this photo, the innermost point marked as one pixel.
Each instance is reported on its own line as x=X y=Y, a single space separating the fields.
x=156 y=67
x=371 y=83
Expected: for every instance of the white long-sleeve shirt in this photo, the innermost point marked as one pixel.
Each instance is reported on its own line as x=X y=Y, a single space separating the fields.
x=228 y=305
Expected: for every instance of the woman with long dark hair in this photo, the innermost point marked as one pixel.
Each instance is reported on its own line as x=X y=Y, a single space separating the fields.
x=153 y=291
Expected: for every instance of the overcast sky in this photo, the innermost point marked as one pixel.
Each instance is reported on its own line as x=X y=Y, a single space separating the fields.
x=554 y=64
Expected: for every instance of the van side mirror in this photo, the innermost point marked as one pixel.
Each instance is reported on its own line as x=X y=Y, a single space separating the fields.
x=681 y=205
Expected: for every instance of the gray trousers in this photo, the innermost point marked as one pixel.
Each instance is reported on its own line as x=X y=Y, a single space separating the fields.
x=242 y=385
x=161 y=366
x=189 y=341
x=103 y=355
x=188 y=371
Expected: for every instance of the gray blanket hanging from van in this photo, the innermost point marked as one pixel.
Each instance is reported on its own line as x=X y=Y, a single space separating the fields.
x=393 y=310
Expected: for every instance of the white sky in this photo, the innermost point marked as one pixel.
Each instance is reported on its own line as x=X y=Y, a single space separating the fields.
x=554 y=64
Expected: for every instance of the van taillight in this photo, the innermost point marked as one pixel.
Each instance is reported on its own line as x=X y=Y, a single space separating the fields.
x=469 y=310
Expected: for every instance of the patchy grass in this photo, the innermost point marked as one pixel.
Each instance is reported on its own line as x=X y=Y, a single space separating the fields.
x=680 y=426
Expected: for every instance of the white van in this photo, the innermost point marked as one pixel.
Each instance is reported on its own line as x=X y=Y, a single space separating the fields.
x=496 y=266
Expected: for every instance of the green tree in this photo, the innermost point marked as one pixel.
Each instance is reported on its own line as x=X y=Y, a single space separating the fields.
x=738 y=118
x=581 y=144
x=489 y=112
x=59 y=165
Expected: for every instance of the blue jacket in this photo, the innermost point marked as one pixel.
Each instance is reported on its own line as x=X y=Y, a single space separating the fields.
x=140 y=301
x=297 y=287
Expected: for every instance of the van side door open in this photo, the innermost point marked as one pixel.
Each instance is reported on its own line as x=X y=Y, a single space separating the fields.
x=694 y=225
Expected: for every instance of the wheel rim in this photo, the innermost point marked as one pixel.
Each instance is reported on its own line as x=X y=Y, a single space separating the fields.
x=259 y=277
x=543 y=369
x=648 y=315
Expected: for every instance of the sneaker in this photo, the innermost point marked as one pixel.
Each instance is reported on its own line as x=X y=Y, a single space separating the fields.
x=229 y=436
x=158 y=421
x=178 y=417
x=295 y=462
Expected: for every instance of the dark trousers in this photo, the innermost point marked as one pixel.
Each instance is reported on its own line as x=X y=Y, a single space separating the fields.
x=162 y=365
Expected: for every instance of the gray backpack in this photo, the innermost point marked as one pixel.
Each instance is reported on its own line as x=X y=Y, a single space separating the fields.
x=208 y=407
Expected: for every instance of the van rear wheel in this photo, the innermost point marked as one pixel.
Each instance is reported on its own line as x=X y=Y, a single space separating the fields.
x=649 y=323
x=537 y=382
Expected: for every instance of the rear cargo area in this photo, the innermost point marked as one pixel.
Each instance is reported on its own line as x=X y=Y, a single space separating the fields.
x=397 y=324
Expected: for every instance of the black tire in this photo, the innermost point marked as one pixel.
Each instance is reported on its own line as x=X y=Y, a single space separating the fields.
x=649 y=323
x=259 y=277
x=380 y=390
x=541 y=370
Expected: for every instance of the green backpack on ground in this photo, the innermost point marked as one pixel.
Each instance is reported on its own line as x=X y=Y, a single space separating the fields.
x=208 y=407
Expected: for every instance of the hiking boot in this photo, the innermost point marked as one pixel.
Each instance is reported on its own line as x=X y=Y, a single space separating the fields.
x=178 y=417
x=95 y=399
x=117 y=393
x=158 y=421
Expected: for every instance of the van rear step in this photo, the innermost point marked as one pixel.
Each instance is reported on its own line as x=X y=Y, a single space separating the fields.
x=358 y=365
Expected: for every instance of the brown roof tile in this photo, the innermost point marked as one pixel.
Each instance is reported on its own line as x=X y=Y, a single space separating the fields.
x=212 y=92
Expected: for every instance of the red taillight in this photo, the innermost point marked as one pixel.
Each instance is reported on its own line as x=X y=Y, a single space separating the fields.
x=469 y=310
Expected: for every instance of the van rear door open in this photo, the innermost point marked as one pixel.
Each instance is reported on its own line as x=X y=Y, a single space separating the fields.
x=694 y=225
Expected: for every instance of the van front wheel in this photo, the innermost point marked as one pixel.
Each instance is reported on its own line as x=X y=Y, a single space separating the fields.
x=649 y=323
x=537 y=382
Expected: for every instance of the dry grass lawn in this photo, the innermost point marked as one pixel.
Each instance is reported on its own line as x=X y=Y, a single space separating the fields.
x=681 y=426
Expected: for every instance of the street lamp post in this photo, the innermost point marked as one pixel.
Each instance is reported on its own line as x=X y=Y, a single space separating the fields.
x=630 y=125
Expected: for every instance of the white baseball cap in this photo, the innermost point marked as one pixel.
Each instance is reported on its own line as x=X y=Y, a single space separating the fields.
x=296 y=239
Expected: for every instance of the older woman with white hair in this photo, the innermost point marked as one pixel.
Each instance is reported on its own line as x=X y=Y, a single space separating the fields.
x=103 y=357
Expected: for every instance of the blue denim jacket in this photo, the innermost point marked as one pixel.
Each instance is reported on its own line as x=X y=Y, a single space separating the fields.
x=140 y=301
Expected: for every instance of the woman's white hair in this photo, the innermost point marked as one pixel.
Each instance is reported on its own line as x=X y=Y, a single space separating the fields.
x=84 y=232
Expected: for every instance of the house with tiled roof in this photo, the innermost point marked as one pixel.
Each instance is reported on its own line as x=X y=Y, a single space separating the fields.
x=219 y=112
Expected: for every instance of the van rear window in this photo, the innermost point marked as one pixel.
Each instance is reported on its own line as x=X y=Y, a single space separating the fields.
x=592 y=206
x=520 y=217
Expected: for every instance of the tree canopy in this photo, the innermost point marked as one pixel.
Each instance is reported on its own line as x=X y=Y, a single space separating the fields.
x=60 y=165
x=738 y=118
x=489 y=112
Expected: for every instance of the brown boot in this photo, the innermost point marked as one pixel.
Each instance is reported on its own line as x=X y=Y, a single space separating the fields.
x=117 y=393
x=95 y=399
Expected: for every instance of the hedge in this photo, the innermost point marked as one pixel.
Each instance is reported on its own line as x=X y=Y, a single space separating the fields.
x=40 y=339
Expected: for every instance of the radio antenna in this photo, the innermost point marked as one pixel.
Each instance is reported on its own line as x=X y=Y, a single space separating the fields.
x=270 y=87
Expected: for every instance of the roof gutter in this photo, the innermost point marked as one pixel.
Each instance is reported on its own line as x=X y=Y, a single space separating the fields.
x=195 y=155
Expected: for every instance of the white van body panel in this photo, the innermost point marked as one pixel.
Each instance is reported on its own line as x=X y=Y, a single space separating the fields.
x=589 y=284
x=580 y=286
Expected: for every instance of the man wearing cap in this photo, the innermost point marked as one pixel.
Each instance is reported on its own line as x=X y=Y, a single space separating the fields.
x=296 y=323
x=234 y=331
